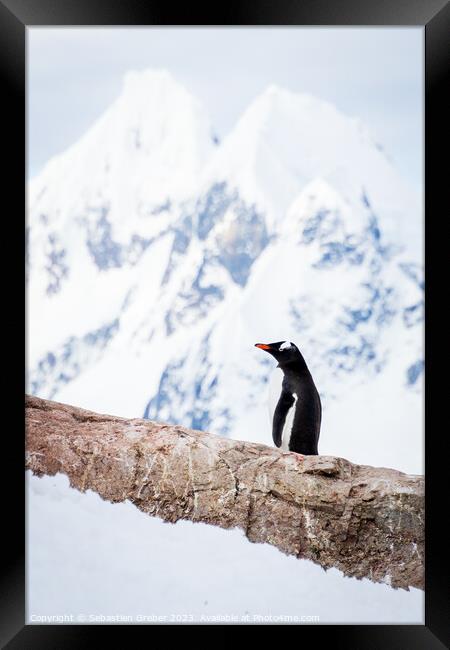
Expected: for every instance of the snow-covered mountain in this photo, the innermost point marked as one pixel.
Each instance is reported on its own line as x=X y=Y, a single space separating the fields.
x=157 y=256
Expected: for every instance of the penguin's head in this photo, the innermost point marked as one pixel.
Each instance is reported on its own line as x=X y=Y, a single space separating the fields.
x=285 y=352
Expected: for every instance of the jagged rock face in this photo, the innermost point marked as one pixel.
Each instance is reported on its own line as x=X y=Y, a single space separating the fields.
x=365 y=521
x=157 y=256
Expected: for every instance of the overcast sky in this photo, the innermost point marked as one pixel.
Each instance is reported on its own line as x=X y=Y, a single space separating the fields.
x=373 y=73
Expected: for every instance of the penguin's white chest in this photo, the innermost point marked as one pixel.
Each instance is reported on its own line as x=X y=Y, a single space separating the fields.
x=287 y=429
x=275 y=386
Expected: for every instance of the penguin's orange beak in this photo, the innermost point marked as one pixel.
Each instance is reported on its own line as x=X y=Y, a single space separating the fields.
x=262 y=346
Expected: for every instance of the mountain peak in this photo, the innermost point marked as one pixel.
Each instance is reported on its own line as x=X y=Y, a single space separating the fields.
x=151 y=143
x=152 y=83
x=285 y=139
x=275 y=99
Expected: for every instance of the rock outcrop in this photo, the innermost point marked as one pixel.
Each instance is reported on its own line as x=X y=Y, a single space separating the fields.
x=365 y=521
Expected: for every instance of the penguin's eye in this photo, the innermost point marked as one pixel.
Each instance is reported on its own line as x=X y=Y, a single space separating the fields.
x=284 y=346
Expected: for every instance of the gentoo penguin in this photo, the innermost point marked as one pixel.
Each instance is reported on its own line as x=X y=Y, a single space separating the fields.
x=297 y=415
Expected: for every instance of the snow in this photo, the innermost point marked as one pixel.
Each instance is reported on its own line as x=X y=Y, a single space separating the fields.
x=284 y=140
x=88 y=557
x=158 y=258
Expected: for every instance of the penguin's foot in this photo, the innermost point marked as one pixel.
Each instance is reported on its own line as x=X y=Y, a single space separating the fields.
x=300 y=456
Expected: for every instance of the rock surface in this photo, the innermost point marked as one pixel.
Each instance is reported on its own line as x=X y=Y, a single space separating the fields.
x=365 y=521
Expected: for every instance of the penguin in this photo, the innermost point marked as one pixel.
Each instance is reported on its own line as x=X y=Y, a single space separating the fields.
x=297 y=416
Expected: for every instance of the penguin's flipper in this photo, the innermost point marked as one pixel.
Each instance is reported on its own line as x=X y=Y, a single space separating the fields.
x=279 y=417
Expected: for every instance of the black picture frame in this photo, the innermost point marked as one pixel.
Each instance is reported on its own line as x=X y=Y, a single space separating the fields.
x=434 y=16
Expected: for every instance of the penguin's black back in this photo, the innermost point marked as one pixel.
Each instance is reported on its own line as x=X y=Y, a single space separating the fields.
x=304 y=436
